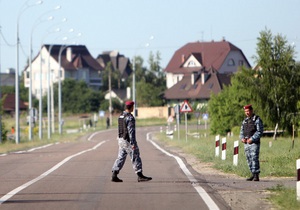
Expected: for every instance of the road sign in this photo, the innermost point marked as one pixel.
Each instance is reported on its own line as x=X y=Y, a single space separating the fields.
x=186 y=107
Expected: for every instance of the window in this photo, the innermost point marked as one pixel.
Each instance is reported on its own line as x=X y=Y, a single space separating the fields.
x=241 y=62
x=231 y=62
x=191 y=64
x=182 y=87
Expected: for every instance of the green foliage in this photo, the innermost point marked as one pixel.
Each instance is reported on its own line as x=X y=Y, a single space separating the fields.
x=277 y=83
x=4 y=132
x=272 y=89
x=77 y=97
x=150 y=82
x=116 y=105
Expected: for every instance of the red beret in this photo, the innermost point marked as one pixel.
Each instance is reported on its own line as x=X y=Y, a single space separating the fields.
x=249 y=106
x=129 y=103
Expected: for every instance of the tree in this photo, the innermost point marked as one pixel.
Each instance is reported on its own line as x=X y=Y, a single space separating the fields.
x=277 y=82
x=77 y=97
x=150 y=82
x=272 y=88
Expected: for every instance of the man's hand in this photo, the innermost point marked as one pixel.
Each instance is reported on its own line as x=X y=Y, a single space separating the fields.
x=249 y=141
x=244 y=141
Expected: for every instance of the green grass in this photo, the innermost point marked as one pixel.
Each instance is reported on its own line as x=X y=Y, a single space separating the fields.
x=277 y=159
x=284 y=198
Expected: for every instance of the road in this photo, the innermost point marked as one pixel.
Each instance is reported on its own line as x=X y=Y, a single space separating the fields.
x=76 y=175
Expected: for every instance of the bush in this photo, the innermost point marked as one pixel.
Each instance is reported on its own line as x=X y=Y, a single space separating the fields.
x=236 y=130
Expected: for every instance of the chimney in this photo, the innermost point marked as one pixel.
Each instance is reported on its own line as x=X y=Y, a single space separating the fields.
x=69 y=54
x=182 y=58
x=128 y=91
x=203 y=75
x=192 y=78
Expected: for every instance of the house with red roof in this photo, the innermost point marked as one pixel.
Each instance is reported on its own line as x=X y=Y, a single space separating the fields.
x=200 y=68
x=9 y=104
x=75 y=60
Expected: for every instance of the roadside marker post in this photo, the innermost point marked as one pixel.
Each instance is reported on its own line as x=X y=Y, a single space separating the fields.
x=217 y=149
x=235 y=153
x=223 y=148
x=298 y=179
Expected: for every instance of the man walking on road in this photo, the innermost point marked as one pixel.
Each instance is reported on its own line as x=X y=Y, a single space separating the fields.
x=251 y=131
x=128 y=145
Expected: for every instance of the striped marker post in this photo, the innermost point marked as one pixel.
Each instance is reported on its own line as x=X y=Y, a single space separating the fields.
x=235 y=152
x=217 y=149
x=298 y=179
x=223 y=148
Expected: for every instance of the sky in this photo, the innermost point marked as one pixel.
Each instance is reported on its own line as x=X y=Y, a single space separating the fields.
x=138 y=27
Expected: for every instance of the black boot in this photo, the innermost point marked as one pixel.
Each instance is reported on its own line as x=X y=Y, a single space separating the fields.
x=142 y=178
x=250 y=178
x=256 y=177
x=115 y=178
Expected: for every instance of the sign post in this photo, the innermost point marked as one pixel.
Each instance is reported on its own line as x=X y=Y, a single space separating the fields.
x=176 y=109
x=186 y=108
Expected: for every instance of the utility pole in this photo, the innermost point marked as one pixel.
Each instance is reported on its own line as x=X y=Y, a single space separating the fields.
x=110 y=103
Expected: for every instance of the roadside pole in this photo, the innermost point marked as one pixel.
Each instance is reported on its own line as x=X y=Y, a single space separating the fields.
x=176 y=110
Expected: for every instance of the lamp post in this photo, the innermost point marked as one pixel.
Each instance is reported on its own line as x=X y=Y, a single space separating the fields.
x=24 y=7
x=133 y=79
x=60 y=121
x=38 y=21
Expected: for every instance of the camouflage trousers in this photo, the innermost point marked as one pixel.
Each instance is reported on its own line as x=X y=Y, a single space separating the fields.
x=125 y=149
x=252 y=155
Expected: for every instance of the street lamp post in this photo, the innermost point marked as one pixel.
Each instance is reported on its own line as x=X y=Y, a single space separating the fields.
x=30 y=74
x=17 y=100
x=37 y=22
x=60 y=121
x=135 y=111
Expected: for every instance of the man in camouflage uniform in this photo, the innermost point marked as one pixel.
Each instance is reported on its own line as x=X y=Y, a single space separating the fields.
x=128 y=145
x=250 y=134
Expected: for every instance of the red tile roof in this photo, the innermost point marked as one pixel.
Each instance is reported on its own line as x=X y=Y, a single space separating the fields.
x=9 y=103
x=81 y=57
x=212 y=54
x=184 y=89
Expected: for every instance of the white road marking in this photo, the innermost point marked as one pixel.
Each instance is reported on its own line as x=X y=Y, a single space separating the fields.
x=22 y=187
x=203 y=194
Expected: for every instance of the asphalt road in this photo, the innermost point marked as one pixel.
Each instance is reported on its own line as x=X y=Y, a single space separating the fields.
x=77 y=175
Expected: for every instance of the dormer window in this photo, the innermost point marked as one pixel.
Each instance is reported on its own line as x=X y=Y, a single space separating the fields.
x=191 y=64
x=231 y=62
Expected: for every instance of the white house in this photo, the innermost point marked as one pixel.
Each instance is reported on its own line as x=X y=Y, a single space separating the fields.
x=75 y=60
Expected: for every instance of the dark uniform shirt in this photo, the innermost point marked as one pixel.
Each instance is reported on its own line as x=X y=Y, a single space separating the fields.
x=126 y=127
x=252 y=127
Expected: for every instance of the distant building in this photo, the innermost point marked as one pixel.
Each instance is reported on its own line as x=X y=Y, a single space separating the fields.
x=121 y=64
x=76 y=63
x=8 y=78
x=200 y=68
x=9 y=104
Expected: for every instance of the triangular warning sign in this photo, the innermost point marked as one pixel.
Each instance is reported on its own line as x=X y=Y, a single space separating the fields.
x=186 y=107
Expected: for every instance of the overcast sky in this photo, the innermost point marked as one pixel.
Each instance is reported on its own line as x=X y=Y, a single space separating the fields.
x=136 y=27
